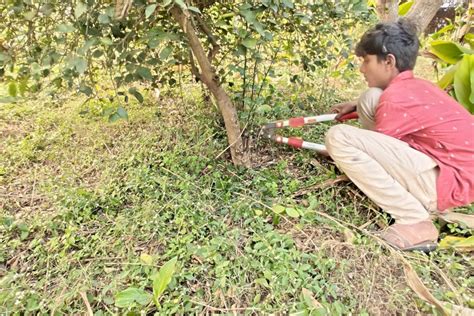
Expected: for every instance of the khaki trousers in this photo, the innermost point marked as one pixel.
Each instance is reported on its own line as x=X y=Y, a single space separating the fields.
x=398 y=178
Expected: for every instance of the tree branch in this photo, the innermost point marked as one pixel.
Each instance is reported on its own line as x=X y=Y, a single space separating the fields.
x=387 y=10
x=212 y=39
x=194 y=69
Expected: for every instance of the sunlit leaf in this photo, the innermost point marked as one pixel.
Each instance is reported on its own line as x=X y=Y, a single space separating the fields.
x=292 y=212
x=163 y=278
x=131 y=297
x=469 y=38
x=448 y=77
x=288 y=3
x=458 y=243
x=464 y=81
x=405 y=7
x=249 y=42
x=146 y=259
x=4 y=57
x=278 y=209
x=448 y=51
x=65 y=28
x=181 y=3
x=194 y=9
x=106 y=41
x=12 y=89
x=80 y=9
x=166 y=2
x=103 y=19
x=80 y=64
x=149 y=10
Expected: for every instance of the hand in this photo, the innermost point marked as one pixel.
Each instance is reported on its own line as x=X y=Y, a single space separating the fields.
x=344 y=108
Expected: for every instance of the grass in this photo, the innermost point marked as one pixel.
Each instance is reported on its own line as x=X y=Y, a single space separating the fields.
x=90 y=208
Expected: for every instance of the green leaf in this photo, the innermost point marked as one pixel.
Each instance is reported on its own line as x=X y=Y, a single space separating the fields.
x=149 y=10
x=249 y=15
x=136 y=94
x=106 y=41
x=65 y=28
x=458 y=243
x=132 y=296
x=80 y=64
x=448 y=77
x=12 y=89
x=163 y=278
x=278 y=209
x=469 y=38
x=114 y=117
x=165 y=53
x=288 y=4
x=23 y=86
x=166 y=3
x=144 y=73
x=405 y=7
x=464 y=81
x=194 y=9
x=448 y=51
x=104 y=19
x=249 y=42
x=80 y=9
x=291 y=212
x=86 y=90
x=181 y=4
x=4 y=57
x=122 y=113
x=7 y=99
x=146 y=259
x=29 y=15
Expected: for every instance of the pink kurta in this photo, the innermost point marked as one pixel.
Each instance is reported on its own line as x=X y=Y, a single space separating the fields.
x=429 y=120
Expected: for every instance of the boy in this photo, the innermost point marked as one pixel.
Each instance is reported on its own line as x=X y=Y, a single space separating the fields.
x=415 y=153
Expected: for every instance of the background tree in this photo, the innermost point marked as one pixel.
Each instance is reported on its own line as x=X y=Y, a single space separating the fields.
x=231 y=47
x=421 y=12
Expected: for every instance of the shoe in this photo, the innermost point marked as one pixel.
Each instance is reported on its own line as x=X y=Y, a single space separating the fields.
x=421 y=236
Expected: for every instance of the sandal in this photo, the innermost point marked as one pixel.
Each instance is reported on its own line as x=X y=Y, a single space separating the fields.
x=420 y=236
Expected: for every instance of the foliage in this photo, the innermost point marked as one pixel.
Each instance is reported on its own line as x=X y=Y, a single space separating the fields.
x=146 y=49
x=130 y=297
x=99 y=209
x=458 y=60
x=459 y=75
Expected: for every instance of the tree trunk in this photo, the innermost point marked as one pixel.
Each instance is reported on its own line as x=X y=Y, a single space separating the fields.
x=422 y=12
x=387 y=10
x=210 y=79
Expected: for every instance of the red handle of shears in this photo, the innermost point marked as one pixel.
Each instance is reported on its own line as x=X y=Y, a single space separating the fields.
x=348 y=116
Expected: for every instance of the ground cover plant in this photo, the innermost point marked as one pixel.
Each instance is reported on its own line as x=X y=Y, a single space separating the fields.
x=90 y=209
x=149 y=215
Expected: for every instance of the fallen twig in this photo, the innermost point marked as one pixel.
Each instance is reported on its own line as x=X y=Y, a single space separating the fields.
x=325 y=184
x=88 y=305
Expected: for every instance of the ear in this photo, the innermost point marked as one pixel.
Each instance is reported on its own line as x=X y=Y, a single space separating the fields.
x=390 y=60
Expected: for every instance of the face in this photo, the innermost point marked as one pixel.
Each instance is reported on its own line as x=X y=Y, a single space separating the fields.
x=377 y=73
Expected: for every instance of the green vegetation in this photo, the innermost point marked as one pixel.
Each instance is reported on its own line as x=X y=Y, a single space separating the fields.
x=97 y=208
x=118 y=194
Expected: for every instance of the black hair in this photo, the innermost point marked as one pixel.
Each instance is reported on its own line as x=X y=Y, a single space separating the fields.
x=396 y=38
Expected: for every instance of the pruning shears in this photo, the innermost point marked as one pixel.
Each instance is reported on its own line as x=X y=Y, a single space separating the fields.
x=268 y=130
